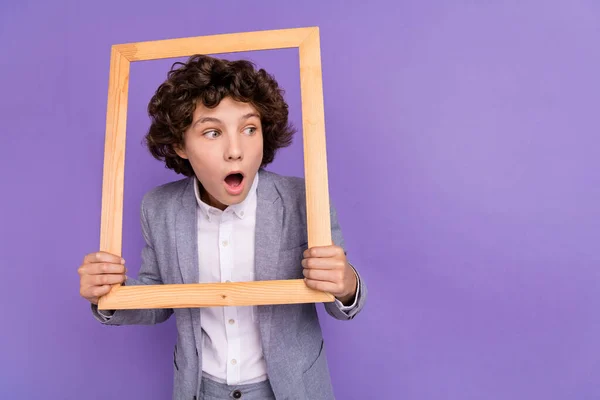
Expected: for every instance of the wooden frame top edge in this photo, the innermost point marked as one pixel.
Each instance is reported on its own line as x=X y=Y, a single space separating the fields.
x=213 y=44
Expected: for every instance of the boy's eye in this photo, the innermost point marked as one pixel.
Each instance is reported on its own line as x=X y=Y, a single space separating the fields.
x=250 y=130
x=211 y=134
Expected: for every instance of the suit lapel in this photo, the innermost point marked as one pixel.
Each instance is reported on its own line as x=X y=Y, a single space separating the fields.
x=187 y=236
x=269 y=225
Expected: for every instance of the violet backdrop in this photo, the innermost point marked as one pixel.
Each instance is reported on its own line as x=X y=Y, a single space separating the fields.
x=463 y=146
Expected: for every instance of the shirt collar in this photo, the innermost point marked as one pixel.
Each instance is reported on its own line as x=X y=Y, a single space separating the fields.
x=240 y=209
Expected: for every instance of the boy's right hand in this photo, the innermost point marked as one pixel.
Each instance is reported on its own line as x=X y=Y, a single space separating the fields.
x=98 y=273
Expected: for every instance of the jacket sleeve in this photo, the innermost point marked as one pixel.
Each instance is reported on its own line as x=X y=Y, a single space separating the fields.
x=336 y=309
x=149 y=275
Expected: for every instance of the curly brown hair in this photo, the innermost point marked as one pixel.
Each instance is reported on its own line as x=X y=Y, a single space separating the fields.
x=209 y=80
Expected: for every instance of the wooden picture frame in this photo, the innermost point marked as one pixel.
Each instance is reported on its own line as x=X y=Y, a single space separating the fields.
x=315 y=166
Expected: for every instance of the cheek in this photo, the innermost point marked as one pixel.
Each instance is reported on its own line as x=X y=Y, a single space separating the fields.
x=201 y=151
x=258 y=154
x=259 y=144
x=201 y=160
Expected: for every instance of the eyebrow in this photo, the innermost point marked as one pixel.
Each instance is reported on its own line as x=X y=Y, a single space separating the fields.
x=249 y=115
x=218 y=121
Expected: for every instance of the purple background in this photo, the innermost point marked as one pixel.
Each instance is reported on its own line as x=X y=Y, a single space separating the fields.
x=463 y=159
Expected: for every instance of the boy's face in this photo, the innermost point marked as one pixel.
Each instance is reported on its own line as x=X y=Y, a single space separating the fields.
x=225 y=148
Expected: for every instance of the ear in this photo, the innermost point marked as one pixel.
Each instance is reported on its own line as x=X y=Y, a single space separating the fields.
x=180 y=150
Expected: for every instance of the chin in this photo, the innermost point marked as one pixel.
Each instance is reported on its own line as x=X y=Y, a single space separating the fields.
x=229 y=199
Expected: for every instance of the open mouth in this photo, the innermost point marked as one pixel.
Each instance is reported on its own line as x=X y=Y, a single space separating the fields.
x=234 y=180
x=234 y=183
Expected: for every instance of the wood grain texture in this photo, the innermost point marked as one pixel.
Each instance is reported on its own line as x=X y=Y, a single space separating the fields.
x=315 y=161
x=225 y=43
x=291 y=291
x=114 y=157
x=315 y=152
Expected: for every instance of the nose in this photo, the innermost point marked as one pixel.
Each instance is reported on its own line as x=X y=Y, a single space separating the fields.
x=234 y=149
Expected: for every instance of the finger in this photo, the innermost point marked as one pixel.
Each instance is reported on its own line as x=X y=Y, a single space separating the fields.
x=323 y=275
x=322 y=286
x=323 y=251
x=100 y=280
x=103 y=257
x=106 y=279
x=102 y=268
x=91 y=292
x=323 y=263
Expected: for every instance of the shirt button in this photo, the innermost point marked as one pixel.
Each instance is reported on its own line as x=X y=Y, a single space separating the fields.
x=241 y=213
x=233 y=362
x=231 y=322
x=227 y=281
x=225 y=243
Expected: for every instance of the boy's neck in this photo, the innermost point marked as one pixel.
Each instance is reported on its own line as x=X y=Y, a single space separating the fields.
x=208 y=199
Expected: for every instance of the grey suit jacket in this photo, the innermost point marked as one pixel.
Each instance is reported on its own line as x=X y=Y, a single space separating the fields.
x=291 y=334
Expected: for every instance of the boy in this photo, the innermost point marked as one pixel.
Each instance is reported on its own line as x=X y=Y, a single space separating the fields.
x=219 y=123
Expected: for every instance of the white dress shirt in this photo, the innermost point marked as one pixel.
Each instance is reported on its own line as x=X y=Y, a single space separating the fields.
x=231 y=344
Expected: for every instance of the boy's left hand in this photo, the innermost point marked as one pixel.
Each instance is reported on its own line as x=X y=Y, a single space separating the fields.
x=326 y=269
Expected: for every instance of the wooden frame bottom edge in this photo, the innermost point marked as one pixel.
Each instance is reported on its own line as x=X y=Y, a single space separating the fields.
x=291 y=291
